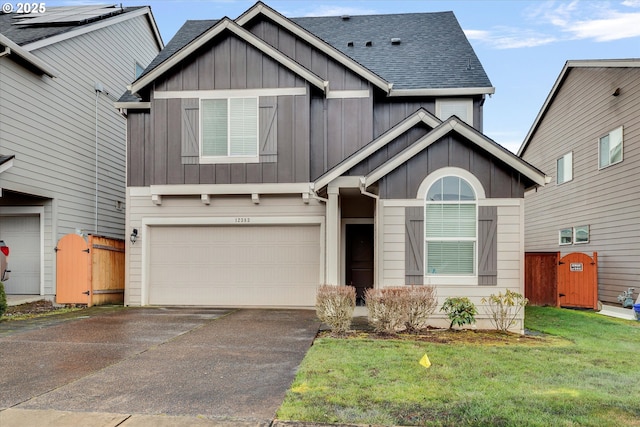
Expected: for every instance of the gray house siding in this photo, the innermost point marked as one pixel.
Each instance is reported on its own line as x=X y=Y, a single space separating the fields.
x=582 y=111
x=498 y=180
x=50 y=127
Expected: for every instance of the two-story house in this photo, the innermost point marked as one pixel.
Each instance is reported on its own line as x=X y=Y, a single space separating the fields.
x=587 y=136
x=268 y=155
x=62 y=144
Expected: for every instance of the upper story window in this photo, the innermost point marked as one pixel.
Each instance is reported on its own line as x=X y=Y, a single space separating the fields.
x=450 y=228
x=610 y=148
x=463 y=108
x=229 y=130
x=564 y=169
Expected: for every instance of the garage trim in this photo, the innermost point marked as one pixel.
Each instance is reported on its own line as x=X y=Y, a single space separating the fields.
x=248 y=221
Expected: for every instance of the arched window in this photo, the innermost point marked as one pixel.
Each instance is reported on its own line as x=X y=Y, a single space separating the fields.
x=450 y=228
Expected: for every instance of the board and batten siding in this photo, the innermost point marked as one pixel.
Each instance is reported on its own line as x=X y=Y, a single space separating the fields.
x=606 y=200
x=509 y=253
x=183 y=209
x=50 y=126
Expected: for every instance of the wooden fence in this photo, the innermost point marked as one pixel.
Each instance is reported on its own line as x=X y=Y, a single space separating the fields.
x=90 y=272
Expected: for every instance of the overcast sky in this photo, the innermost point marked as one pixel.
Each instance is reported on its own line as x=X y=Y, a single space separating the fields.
x=522 y=45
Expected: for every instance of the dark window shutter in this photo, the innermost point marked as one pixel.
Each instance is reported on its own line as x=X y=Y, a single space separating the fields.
x=268 y=129
x=190 y=131
x=487 y=245
x=414 y=245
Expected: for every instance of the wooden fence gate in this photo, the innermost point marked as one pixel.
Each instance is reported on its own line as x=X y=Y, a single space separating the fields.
x=570 y=281
x=578 y=281
x=90 y=272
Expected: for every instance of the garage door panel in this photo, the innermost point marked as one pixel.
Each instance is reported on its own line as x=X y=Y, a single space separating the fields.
x=22 y=235
x=232 y=266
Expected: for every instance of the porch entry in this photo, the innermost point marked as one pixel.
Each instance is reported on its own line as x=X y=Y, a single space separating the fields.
x=359 y=258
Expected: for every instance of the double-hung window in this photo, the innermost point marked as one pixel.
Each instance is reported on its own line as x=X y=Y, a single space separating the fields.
x=564 y=169
x=610 y=148
x=450 y=228
x=229 y=130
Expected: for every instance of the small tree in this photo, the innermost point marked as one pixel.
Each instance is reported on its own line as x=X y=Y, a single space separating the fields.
x=421 y=302
x=386 y=308
x=504 y=308
x=335 y=305
x=461 y=311
x=3 y=300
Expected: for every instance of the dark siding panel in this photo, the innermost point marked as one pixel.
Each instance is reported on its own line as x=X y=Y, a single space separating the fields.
x=301 y=138
x=254 y=173
x=317 y=137
x=222 y=72
x=459 y=154
x=191 y=174
x=487 y=245
x=135 y=151
x=254 y=68
x=303 y=54
x=206 y=67
x=500 y=182
x=238 y=63
x=148 y=149
x=159 y=109
x=285 y=139
x=190 y=75
x=175 y=170
x=481 y=167
x=223 y=174
x=269 y=172
x=334 y=132
x=238 y=173
x=414 y=246
x=351 y=124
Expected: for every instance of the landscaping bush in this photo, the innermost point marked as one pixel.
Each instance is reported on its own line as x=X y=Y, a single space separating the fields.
x=335 y=305
x=461 y=311
x=421 y=302
x=504 y=308
x=386 y=308
x=3 y=300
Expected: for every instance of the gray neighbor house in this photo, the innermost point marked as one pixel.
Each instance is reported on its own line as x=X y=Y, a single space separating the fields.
x=587 y=136
x=62 y=144
x=267 y=155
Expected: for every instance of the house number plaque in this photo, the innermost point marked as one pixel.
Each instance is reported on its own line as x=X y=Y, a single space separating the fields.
x=242 y=220
x=575 y=266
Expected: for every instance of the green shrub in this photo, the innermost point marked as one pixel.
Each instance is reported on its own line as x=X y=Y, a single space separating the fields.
x=421 y=302
x=461 y=311
x=3 y=300
x=504 y=308
x=335 y=305
x=386 y=308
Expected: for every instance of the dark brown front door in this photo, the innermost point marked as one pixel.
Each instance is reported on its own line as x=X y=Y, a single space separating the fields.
x=359 y=262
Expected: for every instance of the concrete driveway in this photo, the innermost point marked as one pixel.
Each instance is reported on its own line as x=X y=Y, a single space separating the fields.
x=217 y=365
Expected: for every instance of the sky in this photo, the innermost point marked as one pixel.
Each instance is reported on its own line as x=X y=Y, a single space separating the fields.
x=523 y=45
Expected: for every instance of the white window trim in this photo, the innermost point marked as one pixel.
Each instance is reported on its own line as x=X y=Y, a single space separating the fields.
x=461 y=279
x=203 y=159
x=621 y=148
x=567 y=159
x=463 y=102
x=560 y=236
x=575 y=234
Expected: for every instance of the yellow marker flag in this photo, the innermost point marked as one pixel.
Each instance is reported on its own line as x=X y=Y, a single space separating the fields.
x=425 y=361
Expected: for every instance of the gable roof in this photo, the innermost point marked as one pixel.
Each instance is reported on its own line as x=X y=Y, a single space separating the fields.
x=225 y=24
x=598 y=63
x=434 y=56
x=454 y=124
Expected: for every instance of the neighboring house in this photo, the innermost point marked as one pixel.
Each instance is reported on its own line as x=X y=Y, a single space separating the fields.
x=62 y=144
x=269 y=155
x=588 y=134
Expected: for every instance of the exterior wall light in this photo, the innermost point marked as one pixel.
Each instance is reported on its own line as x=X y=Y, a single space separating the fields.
x=134 y=236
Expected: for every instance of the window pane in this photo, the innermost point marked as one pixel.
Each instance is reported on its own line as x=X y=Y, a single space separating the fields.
x=560 y=167
x=615 y=145
x=450 y=258
x=581 y=234
x=435 y=191
x=451 y=188
x=466 y=192
x=604 y=151
x=566 y=236
x=450 y=220
x=243 y=126
x=214 y=127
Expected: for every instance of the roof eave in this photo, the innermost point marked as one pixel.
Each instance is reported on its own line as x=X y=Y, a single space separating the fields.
x=455 y=91
x=37 y=63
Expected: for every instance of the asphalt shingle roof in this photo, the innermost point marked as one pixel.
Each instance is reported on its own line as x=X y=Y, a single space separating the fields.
x=25 y=34
x=433 y=52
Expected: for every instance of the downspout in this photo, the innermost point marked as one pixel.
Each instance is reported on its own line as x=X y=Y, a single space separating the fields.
x=363 y=191
x=314 y=195
x=98 y=89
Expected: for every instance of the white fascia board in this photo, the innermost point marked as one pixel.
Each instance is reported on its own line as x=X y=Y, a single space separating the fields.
x=469 y=133
x=457 y=91
x=604 y=63
x=228 y=189
x=27 y=56
x=316 y=42
x=348 y=94
x=228 y=93
x=227 y=24
x=6 y=165
x=214 y=220
x=384 y=139
x=96 y=26
x=132 y=105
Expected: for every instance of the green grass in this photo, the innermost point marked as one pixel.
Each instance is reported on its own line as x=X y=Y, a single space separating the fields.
x=584 y=371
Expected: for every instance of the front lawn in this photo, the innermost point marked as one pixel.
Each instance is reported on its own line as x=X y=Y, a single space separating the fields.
x=583 y=370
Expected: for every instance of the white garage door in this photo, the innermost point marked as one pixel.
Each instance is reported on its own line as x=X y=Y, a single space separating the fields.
x=234 y=265
x=22 y=235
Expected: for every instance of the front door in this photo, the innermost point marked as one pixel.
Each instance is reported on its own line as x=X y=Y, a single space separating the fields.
x=359 y=262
